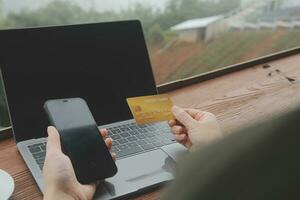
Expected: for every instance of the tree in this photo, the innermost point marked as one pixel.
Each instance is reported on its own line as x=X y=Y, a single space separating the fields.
x=57 y=12
x=63 y=12
x=145 y=13
x=225 y=6
x=156 y=35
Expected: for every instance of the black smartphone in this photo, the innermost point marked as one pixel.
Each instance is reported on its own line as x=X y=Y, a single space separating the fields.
x=81 y=139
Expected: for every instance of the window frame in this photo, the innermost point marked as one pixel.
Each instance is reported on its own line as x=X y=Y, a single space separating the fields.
x=180 y=83
x=5 y=133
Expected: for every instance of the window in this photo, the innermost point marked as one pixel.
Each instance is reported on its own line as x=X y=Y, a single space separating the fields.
x=184 y=37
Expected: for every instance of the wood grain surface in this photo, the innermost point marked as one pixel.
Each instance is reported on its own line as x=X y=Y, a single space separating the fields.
x=244 y=97
x=238 y=99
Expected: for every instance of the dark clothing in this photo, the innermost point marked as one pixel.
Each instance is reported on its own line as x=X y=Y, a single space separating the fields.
x=260 y=162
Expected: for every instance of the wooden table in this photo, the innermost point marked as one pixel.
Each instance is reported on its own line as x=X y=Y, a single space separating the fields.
x=238 y=99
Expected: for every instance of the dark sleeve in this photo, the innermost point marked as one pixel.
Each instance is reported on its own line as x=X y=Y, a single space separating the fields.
x=260 y=162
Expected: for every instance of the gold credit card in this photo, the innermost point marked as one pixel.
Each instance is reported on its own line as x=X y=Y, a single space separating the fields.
x=150 y=109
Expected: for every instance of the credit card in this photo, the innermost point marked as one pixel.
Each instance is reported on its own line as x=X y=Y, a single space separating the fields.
x=150 y=109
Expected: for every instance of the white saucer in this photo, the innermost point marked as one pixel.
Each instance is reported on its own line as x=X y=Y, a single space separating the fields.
x=7 y=185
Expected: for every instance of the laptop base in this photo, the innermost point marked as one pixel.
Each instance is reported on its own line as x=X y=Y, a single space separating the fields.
x=135 y=174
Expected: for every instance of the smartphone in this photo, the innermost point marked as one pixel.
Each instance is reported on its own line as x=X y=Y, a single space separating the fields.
x=81 y=139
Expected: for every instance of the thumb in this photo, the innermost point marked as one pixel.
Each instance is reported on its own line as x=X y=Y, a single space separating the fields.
x=53 y=142
x=183 y=117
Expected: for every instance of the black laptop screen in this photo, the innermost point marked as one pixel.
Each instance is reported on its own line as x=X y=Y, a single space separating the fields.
x=103 y=63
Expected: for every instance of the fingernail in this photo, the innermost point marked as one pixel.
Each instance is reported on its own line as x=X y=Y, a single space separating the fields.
x=49 y=129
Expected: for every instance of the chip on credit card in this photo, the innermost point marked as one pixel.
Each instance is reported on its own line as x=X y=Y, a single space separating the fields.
x=150 y=109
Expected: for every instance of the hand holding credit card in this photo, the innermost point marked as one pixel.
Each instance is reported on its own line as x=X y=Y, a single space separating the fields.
x=150 y=109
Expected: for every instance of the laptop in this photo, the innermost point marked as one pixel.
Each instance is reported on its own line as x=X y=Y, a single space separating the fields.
x=103 y=63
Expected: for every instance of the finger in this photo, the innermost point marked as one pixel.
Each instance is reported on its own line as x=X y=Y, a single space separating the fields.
x=196 y=114
x=180 y=138
x=183 y=117
x=114 y=156
x=108 y=142
x=179 y=123
x=53 y=142
x=104 y=132
x=172 y=122
x=177 y=130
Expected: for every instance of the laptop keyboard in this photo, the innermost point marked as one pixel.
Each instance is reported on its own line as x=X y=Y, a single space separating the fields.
x=131 y=139
x=128 y=139
x=38 y=152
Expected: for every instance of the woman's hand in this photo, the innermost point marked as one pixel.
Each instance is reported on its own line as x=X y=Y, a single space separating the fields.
x=194 y=128
x=59 y=177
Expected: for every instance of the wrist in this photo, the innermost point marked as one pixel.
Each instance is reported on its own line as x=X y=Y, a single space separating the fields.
x=64 y=193
x=51 y=195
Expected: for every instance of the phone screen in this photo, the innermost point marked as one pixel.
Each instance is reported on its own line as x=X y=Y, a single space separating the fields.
x=81 y=139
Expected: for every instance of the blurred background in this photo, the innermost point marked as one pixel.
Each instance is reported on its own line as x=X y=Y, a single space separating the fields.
x=184 y=37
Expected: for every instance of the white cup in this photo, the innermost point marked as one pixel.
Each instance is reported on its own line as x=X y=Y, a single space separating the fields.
x=7 y=185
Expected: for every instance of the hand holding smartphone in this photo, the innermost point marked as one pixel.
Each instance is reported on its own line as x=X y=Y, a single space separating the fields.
x=80 y=139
